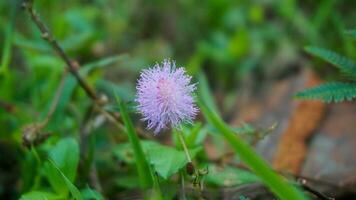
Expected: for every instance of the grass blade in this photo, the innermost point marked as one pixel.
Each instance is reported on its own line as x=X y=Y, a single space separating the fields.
x=141 y=161
x=204 y=92
x=105 y=62
x=71 y=187
x=277 y=185
x=6 y=55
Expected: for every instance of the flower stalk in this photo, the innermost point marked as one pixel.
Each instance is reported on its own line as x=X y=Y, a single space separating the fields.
x=186 y=151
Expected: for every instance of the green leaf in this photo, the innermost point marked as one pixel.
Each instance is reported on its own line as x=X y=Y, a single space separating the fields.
x=32 y=45
x=195 y=136
x=40 y=195
x=129 y=181
x=124 y=153
x=346 y=66
x=328 y=92
x=90 y=194
x=65 y=154
x=277 y=185
x=77 y=42
x=229 y=176
x=51 y=165
x=66 y=95
x=8 y=40
x=167 y=160
x=204 y=92
x=47 y=62
x=195 y=63
x=351 y=33
x=55 y=179
x=125 y=90
x=143 y=168
x=70 y=83
x=108 y=61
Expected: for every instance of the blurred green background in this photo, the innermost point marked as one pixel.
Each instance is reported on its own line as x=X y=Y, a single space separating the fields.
x=233 y=42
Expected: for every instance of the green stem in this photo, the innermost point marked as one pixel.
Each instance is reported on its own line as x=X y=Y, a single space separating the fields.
x=180 y=136
x=183 y=185
x=37 y=156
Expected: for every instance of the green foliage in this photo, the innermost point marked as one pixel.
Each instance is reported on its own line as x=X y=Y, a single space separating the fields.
x=328 y=92
x=351 y=33
x=89 y=194
x=144 y=171
x=332 y=91
x=65 y=154
x=130 y=181
x=165 y=160
x=205 y=93
x=194 y=136
x=54 y=171
x=124 y=152
x=229 y=176
x=6 y=52
x=60 y=171
x=346 y=66
x=40 y=195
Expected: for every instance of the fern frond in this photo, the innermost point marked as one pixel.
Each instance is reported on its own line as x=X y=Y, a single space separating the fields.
x=351 y=33
x=346 y=66
x=328 y=92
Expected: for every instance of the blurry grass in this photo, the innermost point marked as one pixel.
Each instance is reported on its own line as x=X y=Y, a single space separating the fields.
x=142 y=165
x=6 y=50
x=204 y=92
x=71 y=187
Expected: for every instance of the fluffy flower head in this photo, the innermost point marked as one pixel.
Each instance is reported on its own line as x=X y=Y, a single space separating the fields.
x=165 y=96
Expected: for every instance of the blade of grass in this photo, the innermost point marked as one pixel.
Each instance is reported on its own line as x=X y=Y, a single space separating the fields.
x=157 y=193
x=143 y=167
x=105 y=62
x=71 y=187
x=277 y=185
x=6 y=55
x=204 y=92
x=191 y=139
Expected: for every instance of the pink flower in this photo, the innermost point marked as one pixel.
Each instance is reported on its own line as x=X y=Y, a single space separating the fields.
x=165 y=96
